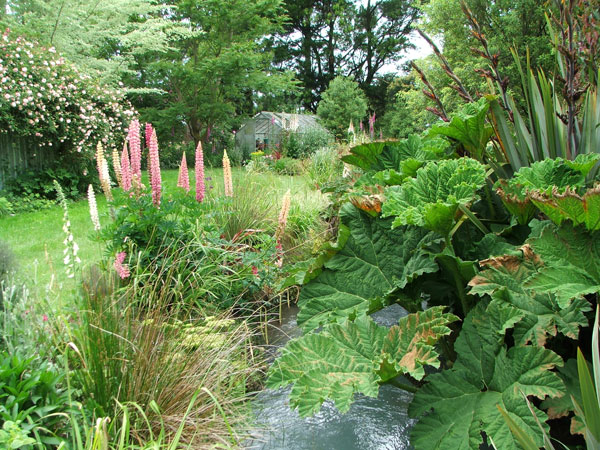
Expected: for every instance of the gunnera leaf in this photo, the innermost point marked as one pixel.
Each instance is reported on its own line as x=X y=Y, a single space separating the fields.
x=404 y=156
x=563 y=406
x=458 y=404
x=549 y=177
x=374 y=262
x=579 y=209
x=352 y=357
x=540 y=314
x=432 y=198
x=468 y=127
x=570 y=262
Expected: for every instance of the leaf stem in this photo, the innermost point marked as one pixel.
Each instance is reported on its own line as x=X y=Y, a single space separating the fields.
x=460 y=288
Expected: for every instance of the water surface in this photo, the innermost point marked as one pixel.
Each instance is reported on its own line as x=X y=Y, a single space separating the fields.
x=378 y=423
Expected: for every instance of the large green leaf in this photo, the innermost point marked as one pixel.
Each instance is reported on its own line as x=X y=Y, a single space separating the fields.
x=571 y=262
x=374 y=262
x=540 y=315
x=404 y=156
x=468 y=127
x=458 y=404
x=351 y=357
x=431 y=199
x=541 y=182
x=580 y=209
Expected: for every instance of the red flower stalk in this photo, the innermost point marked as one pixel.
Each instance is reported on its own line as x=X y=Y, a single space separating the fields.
x=154 y=163
x=134 y=146
x=184 y=179
x=200 y=187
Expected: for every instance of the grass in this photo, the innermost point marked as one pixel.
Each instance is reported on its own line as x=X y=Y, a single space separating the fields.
x=37 y=238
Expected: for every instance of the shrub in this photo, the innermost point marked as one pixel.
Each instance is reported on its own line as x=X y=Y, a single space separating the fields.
x=56 y=108
x=303 y=145
x=28 y=202
x=287 y=166
x=6 y=207
x=31 y=397
x=220 y=252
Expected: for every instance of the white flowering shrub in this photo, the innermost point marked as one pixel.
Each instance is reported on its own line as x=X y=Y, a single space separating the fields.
x=44 y=98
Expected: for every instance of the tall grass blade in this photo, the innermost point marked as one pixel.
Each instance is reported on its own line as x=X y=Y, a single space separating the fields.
x=591 y=409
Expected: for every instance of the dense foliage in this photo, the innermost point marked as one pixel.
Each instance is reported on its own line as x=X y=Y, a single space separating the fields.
x=423 y=227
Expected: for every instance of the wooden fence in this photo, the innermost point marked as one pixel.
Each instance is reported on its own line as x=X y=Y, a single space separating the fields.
x=18 y=154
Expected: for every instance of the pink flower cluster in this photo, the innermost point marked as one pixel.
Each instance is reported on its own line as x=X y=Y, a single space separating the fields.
x=43 y=96
x=122 y=269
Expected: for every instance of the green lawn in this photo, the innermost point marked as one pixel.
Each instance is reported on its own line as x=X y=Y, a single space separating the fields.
x=37 y=238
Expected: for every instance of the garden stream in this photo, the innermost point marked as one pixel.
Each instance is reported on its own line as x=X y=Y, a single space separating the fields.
x=380 y=423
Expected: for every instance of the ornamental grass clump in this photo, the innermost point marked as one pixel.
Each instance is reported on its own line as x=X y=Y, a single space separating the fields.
x=199 y=169
x=183 y=180
x=151 y=356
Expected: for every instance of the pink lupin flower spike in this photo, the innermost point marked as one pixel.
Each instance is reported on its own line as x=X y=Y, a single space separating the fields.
x=227 y=175
x=154 y=163
x=125 y=168
x=199 y=171
x=148 y=133
x=134 y=146
x=184 y=179
x=122 y=269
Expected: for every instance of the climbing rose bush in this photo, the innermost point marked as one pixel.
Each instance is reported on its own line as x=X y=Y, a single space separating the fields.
x=45 y=98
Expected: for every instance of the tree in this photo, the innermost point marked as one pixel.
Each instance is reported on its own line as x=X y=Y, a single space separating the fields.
x=102 y=38
x=342 y=102
x=215 y=69
x=325 y=38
